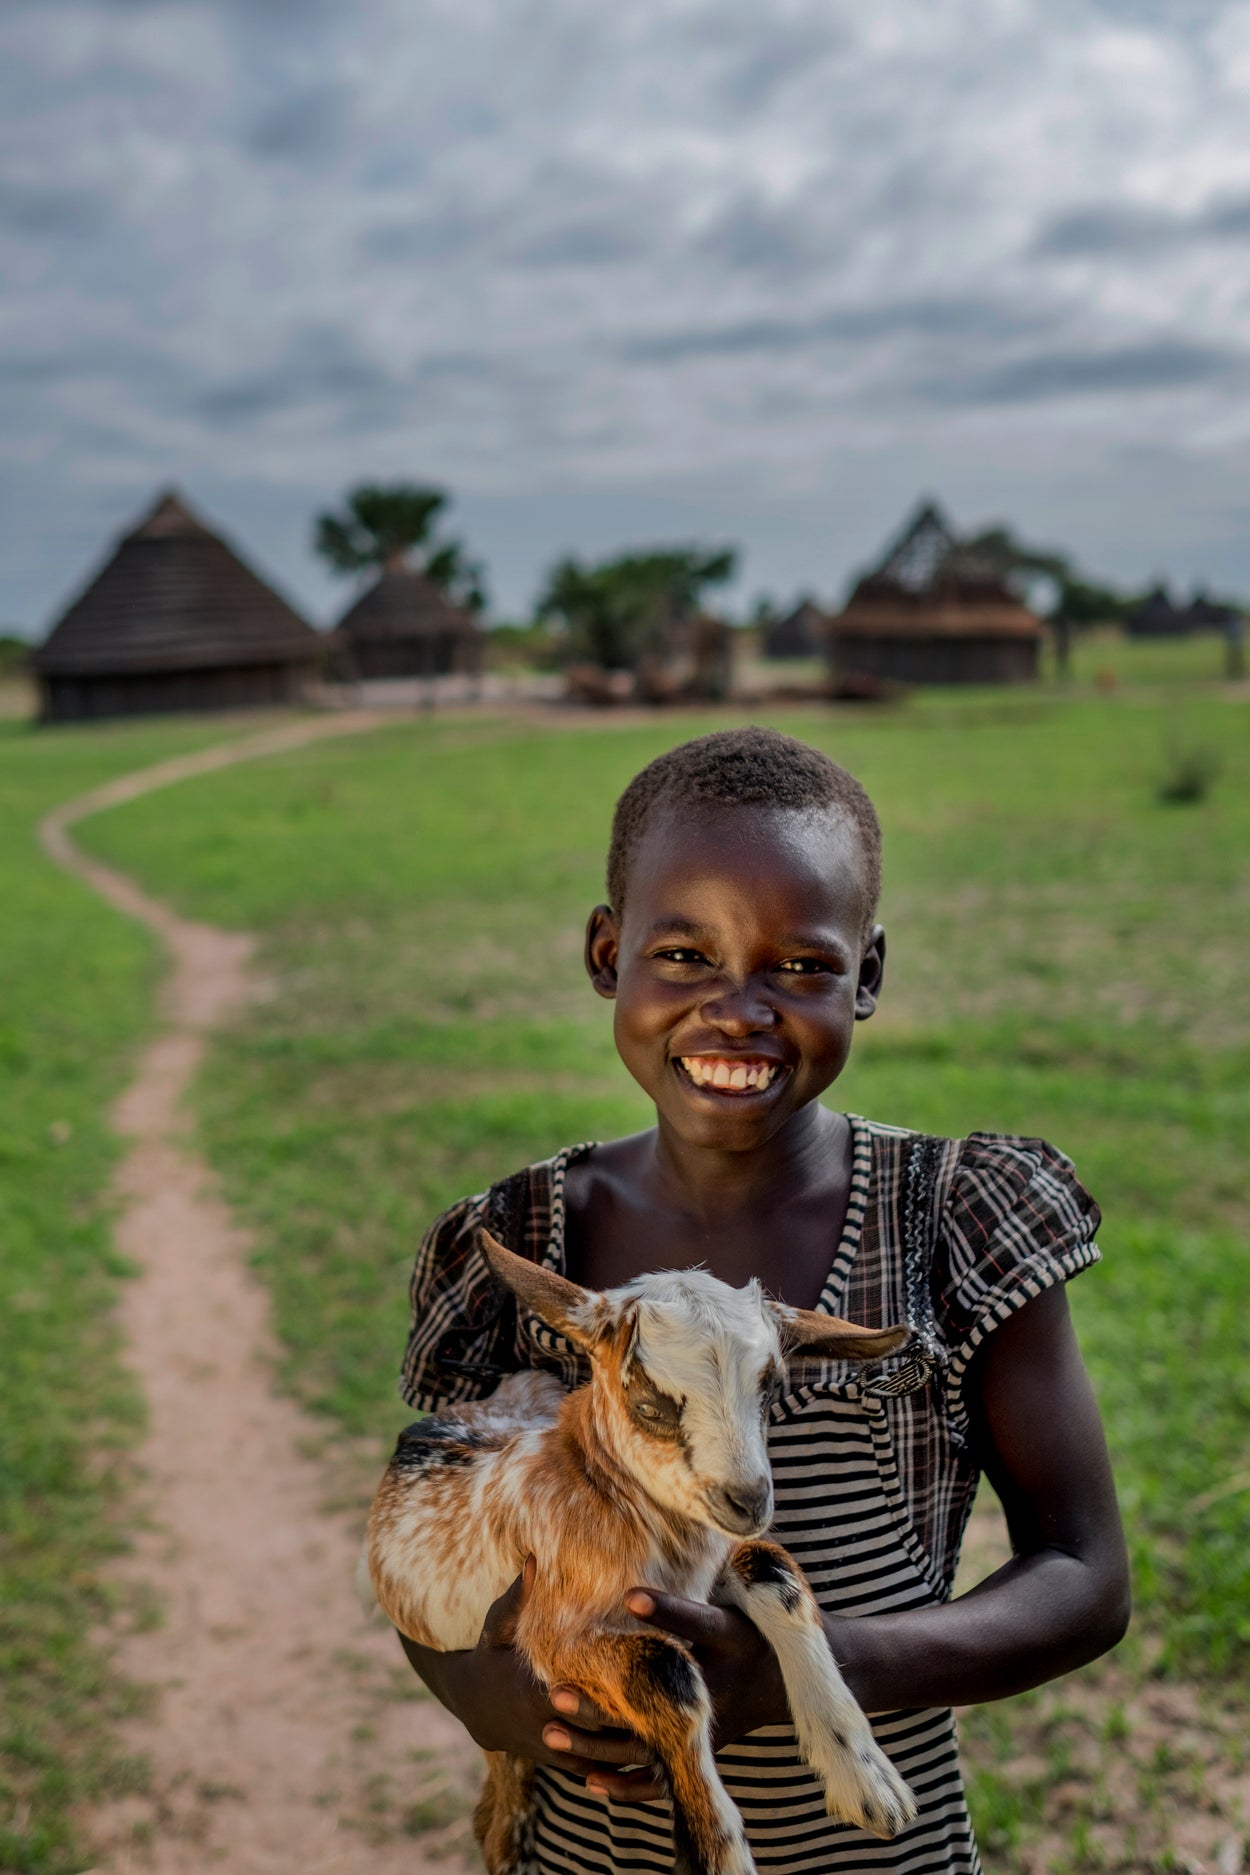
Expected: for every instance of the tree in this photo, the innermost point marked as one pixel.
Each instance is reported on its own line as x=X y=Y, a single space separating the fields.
x=615 y=612
x=1000 y=549
x=386 y=524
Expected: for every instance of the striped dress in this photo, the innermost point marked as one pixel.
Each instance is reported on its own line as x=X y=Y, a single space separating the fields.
x=873 y=1475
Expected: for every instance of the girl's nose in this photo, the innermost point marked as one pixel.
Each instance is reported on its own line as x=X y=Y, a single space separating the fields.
x=739 y=1009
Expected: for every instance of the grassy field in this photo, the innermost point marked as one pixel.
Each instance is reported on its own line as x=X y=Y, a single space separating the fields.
x=76 y=985
x=1067 y=958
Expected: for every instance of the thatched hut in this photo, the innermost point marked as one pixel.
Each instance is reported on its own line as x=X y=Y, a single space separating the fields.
x=1157 y=616
x=174 y=621
x=404 y=625
x=933 y=613
x=800 y=634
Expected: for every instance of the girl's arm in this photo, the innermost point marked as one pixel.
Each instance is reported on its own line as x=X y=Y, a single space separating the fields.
x=1062 y=1600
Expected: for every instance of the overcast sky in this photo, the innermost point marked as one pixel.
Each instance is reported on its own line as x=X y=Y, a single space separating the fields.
x=680 y=269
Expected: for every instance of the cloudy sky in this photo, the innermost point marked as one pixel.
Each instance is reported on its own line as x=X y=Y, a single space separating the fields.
x=680 y=269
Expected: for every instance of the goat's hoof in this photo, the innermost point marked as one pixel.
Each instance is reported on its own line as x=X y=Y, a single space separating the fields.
x=863 y=1787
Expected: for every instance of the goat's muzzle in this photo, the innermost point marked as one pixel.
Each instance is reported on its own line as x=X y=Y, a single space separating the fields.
x=744 y=1509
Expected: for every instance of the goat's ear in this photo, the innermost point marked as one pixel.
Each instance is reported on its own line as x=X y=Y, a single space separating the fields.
x=828 y=1337
x=563 y=1305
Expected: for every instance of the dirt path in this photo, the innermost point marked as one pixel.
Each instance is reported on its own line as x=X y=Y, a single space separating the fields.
x=283 y=1736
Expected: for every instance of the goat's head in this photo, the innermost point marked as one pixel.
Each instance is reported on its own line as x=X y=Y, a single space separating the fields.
x=685 y=1369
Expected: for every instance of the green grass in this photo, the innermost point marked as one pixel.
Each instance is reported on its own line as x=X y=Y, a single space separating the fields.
x=76 y=985
x=1067 y=958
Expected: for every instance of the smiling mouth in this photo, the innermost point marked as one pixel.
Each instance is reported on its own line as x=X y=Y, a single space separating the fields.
x=725 y=1074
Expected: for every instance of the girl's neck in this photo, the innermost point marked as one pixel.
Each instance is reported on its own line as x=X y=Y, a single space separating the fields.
x=709 y=1185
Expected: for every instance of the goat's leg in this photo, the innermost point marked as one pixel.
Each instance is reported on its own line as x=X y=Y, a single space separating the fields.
x=650 y=1685
x=861 y=1785
x=503 y=1817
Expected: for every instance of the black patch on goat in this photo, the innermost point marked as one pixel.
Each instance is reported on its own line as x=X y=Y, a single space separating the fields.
x=436 y=1442
x=760 y=1567
x=659 y=1667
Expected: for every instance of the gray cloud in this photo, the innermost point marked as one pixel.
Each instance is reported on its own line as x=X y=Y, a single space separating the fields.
x=319 y=365
x=41 y=210
x=579 y=244
x=1163 y=365
x=925 y=318
x=310 y=126
x=1123 y=229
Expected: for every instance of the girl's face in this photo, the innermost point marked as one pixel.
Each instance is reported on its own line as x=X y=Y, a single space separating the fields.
x=739 y=968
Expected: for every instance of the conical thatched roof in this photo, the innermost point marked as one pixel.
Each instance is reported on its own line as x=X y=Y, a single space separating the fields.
x=174 y=597
x=930 y=583
x=403 y=602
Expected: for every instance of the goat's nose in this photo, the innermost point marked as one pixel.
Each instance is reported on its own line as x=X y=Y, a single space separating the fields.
x=746 y=1509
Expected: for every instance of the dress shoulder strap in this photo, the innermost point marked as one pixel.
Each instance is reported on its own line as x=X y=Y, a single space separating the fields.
x=926 y=1157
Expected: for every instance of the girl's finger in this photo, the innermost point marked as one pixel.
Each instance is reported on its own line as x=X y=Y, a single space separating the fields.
x=689 y=1621
x=627 y=1786
x=570 y=1704
x=565 y=1741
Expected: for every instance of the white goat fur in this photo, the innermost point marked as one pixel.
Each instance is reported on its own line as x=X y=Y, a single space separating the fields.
x=606 y=1499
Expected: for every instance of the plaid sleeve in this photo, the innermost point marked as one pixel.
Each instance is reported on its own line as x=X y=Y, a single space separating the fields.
x=453 y=1321
x=1017 y=1221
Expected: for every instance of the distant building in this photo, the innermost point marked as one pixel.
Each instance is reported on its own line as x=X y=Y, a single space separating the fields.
x=406 y=626
x=932 y=613
x=800 y=634
x=174 y=621
x=1157 y=617
x=1212 y=615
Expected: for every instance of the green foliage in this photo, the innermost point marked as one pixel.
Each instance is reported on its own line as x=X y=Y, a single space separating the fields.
x=1086 y=602
x=616 y=611
x=14 y=654
x=1188 y=775
x=381 y=523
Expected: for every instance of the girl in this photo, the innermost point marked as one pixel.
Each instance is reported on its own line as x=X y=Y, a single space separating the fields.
x=739 y=948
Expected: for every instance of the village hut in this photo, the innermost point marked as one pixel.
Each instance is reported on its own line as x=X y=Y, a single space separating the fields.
x=1157 y=616
x=174 y=621
x=404 y=625
x=932 y=612
x=800 y=634
x=1205 y=614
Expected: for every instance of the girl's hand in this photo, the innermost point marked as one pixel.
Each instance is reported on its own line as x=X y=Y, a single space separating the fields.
x=495 y=1696
x=739 y=1667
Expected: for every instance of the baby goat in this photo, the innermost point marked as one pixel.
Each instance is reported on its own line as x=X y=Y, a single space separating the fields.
x=654 y=1473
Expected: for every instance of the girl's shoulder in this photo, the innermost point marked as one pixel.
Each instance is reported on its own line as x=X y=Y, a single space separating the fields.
x=458 y=1344
x=999 y=1217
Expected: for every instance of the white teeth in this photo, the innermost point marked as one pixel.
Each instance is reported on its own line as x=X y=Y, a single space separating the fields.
x=706 y=1073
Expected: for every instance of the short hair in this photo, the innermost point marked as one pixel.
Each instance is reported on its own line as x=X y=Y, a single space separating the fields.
x=740 y=768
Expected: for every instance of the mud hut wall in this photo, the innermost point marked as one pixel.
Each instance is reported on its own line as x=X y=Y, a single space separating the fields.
x=71 y=699
x=925 y=659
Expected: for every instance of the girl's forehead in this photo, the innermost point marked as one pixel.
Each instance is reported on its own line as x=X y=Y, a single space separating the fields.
x=812 y=845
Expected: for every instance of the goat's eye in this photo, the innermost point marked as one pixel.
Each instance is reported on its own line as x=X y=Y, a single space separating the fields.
x=645 y=1410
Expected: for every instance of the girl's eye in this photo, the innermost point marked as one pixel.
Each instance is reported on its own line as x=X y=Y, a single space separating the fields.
x=806 y=966
x=681 y=955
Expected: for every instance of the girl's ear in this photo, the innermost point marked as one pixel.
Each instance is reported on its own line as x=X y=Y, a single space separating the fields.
x=602 y=948
x=563 y=1305
x=829 y=1338
x=871 y=974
